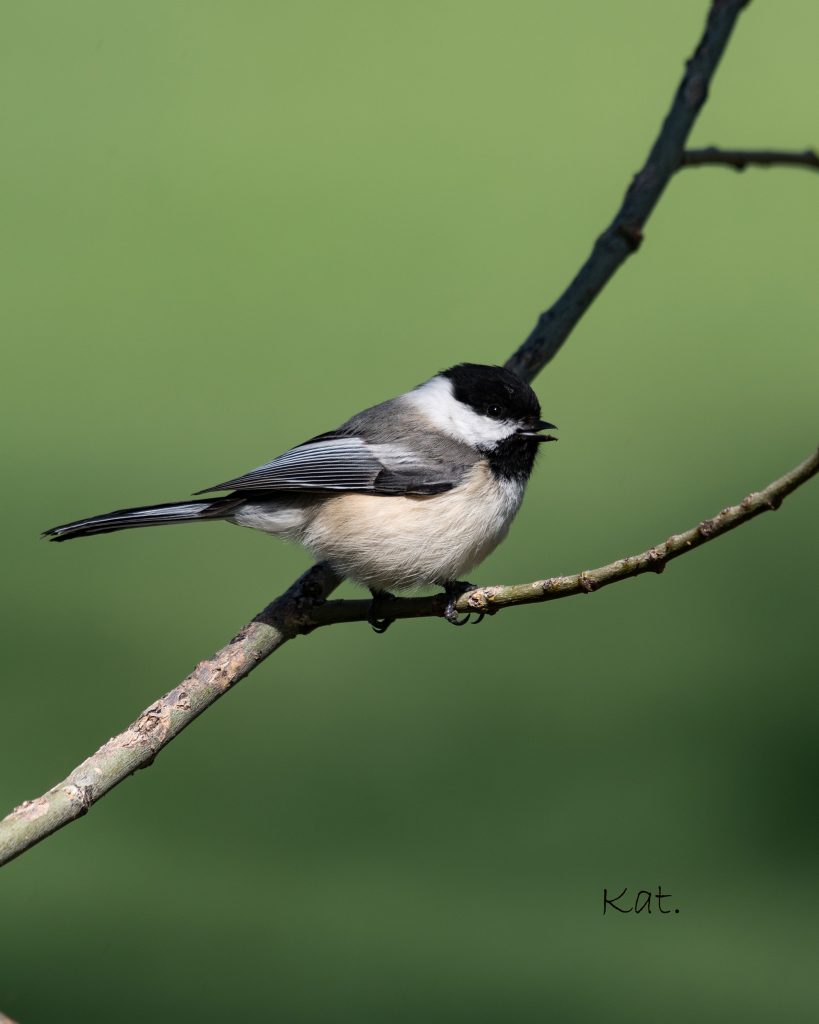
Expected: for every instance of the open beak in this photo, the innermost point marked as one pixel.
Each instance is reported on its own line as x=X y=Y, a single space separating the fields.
x=532 y=431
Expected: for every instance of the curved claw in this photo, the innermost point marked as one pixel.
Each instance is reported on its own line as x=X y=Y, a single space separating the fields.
x=451 y=615
x=480 y=618
x=454 y=589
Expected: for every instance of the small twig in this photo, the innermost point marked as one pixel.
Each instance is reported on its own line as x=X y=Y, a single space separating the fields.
x=301 y=610
x=739 y=159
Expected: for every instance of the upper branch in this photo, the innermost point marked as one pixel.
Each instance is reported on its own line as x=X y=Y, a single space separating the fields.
x=625 y=232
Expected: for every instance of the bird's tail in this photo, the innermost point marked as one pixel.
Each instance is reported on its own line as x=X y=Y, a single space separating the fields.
x=150 y=515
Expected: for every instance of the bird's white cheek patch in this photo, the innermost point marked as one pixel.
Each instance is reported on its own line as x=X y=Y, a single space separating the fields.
x=436 y=402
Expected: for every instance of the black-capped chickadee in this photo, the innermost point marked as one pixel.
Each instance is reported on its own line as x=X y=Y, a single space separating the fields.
x=415 y=491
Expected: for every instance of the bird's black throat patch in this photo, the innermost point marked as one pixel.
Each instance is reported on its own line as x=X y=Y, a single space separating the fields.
x=513 y=458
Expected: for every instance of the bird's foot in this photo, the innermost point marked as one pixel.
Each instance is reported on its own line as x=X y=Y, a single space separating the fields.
x=453 y=590
x=376 y=618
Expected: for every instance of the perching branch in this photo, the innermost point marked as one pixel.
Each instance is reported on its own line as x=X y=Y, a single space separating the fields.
x=302 y=609
x=158 y=724
x=739 y=159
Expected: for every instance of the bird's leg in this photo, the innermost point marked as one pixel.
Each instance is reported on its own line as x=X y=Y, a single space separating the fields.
x=380 y=598
x=453 y=590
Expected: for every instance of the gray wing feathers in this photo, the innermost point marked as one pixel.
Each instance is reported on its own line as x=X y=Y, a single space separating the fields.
x=336 y=464
x=344 y=463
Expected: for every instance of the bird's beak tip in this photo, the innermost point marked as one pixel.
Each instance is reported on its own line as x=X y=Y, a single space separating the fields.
x=538 y=425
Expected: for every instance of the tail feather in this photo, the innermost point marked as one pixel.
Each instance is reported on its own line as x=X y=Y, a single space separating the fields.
x=149 y=515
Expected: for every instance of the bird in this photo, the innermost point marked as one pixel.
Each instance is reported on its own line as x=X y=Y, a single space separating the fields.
x=413 y=492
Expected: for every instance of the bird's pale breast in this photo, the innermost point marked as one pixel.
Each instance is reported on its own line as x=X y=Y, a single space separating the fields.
x=406 y=542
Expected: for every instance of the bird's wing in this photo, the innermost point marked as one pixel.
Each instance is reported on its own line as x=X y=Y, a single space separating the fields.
x=338 y=462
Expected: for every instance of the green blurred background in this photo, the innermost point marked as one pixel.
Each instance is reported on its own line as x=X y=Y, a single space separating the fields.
x=227 y=227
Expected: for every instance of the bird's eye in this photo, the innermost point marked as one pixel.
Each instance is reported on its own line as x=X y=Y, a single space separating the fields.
x=495 y=411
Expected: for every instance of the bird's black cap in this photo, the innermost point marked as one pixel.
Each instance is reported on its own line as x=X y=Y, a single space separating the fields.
x=490 y=388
